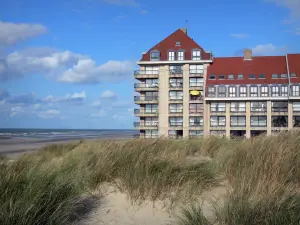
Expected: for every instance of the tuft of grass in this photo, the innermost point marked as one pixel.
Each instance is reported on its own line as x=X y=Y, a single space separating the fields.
x=192 y=215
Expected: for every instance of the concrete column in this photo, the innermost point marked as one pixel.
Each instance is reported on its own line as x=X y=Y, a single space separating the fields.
x=163 y=104
x=186 y=99
x=206 y=119
x=290 y=115
x=248 y=120
x=269 y=118
x=228 y=119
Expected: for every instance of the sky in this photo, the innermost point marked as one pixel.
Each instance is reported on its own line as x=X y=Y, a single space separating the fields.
x=69 y=64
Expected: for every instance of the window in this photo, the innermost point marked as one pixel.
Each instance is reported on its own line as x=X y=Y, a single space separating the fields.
x=284 y=90
x=212 y=77
x=222 y=91
x=177 y=43
x=151 y=95
x=258 y=106
x=196 y=54
x=293 y=75
x=296 y=121
x=198 y=69
x=232 y=91
x=258 y=121
x=279 y=121
x=176 y=70
x=171 y=56
x=151 y=133
x=251 y=76
x=154 y=55
x=274 y=76
x=196 y=82
x=243 y=91
x=151 y=108
x=240 y=76
x=275 y=91
x=264 y=91
x=296 y=106
x=230 y=77
x=151 y=83
x=176 y=121
x=279 y=106
x=221 y=77
x=295 y=90
x=253 y=91
x=218 y=107
x=151 y=70
x=176 y=108
x=151 y=121
x=211 y=91
x=238 y=121
x=176 y=82
x=261 y=76
x=194 y=133
x=180 y=55
x=196 y=108
x=196 y=121
x=176 y=95
x=283 y=75
x=238 y=107
x=217 y=121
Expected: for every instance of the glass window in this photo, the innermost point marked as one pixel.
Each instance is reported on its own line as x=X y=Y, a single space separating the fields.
x=296 y=106
x=196 y=121
x=176 y=121
x=264 y=91
x=211 y=91
x=232 y=91
x=240 y=76
x=261 y=76
x=217 y=121
x=230 y=76
x=258 y=106
x=151 y=121
x=150 y=95
x=196 y=133
x=222 y=91
x=283 y=75
x=251 y=76
x=284 y=90
x=176 y=69
x=196 y=54
x=196 y=82
x=180 y=55
x=178 y=43
x=198 y=69
x=176 y=108
x=279 y=121
x=212 y=77
x=176 y=82
x=274 y=76
x=176 y=95
x=258 y=121
x=253 y=91
x=196 y=108
x=296 y=121
x=171 y=56
x=238 y=121
x=152 y=70
x=151 y=133
x=295 y=90
x=243 y=91
x=280 y=106
x=275 y=91
x=221 y=77
x=293 y=75
x=154 y=55
x=151 y=108
x=218 y=107
x=238 y=107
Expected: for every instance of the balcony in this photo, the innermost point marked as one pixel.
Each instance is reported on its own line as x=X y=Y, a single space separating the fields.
x=145 y=99
x=176 y=86
x=145 y=87
x=195 y=125
x=176 y=125
x=196 y=112
x=142 y=113
x=196 y=86
x=176 y=112
x=240 y=110
x=258 y=110
x=176 y=99
x=196 y=99
x=141 y=74
x=196 y=73
x=176 y=73
x=146 y=125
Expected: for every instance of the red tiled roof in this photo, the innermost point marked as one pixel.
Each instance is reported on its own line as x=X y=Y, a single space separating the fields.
x=266 y=65
x=186 y=43
x=294 y=66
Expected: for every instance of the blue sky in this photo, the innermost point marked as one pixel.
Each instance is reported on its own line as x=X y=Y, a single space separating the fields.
x=69 y=64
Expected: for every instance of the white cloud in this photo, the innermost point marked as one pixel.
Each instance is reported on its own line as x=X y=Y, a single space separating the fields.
x=121 y=2
x=100 y=113
x=239 y=35
x=49 y=114
x=269 y=49
x=11 y=33
x=108 y=95
x=15 y=111
x=292 y=5
x=69 y=98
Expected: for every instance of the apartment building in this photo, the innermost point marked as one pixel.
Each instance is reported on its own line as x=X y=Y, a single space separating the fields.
x=183 y=91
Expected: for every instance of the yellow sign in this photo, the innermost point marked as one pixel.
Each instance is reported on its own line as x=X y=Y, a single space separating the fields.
x=195 y=92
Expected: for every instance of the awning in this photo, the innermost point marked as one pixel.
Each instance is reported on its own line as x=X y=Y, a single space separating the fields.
x=195 y=93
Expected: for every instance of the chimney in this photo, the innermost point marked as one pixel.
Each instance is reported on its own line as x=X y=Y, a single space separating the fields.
x=184 y=30
x=247 y=54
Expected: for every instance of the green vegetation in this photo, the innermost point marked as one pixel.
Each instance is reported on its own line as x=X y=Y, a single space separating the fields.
x=263 y=175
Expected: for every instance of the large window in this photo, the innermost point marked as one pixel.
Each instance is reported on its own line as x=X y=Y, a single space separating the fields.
x=218 y=107
x=151 y=108
x=232 y=91
x=217 y=121
x=211 y=91
x=258 y=106
x=176 y=121
x=222 y=91
x=295 y=90
x=275 y=91
x=238 y=121
x=176 y=95
x=154 y=55
x=196 y=108
x=176 y=69
x=196 y=82
x=296 y=121
x=171 y=56
x=279 y=121
x=196 y=69
x=176 y=108
x=180 y=55
x=151 y=133
x=284 y=90
x=196 y=121
x=194 y=133
x=264 y=91
x=296 y=106
x=253 y=91
x=176 y=82
x=258 y=121
x=243 y=91
x=280 y=106
x=152 y=70
x=237 y=106
x=196 y=54
x=151 y=95
x=151 y=121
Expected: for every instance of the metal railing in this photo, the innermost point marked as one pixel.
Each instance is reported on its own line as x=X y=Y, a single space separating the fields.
x=279 y=109
x=175 y=110
x=176 y=71
x=219 y=109
x=258 y=109
x=196 y=71
x=176 y=85
x=196 y=111
x=146 y=124
x=196 y=98
x=176 y=99
x=176 y=124
x=196 y=84
x=196 y=124
x=145 y=85
x=145 y=98
x=138 y=111
x=237 y=110
x=146 y=72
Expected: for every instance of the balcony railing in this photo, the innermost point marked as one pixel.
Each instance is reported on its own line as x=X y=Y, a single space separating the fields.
x=196 y=124
x=145 y=98
x=258 y=110
x=146 y=124
x=146 y=72
x=176 y=99
x=193 y=111
x=144 y=85
x=176 y=71
x=138 y=111
x=196 y=84
x=279 y=109
x=196 y=98
x=218 y=110
x=176 y=85
x=176 y=124
x=175 y=110
x=196 y=72
x=238 y=110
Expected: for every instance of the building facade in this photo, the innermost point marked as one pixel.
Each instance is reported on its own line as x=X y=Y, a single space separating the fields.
x=183 y=91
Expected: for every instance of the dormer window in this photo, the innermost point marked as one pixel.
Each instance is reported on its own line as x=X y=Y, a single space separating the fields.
x=180 y=55
x=212 y=77
x=171 y=56
x=178 y=43
x=196 y=54
x=155 y=55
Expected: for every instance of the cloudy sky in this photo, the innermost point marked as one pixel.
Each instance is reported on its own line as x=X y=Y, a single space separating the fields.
x=69 y=64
